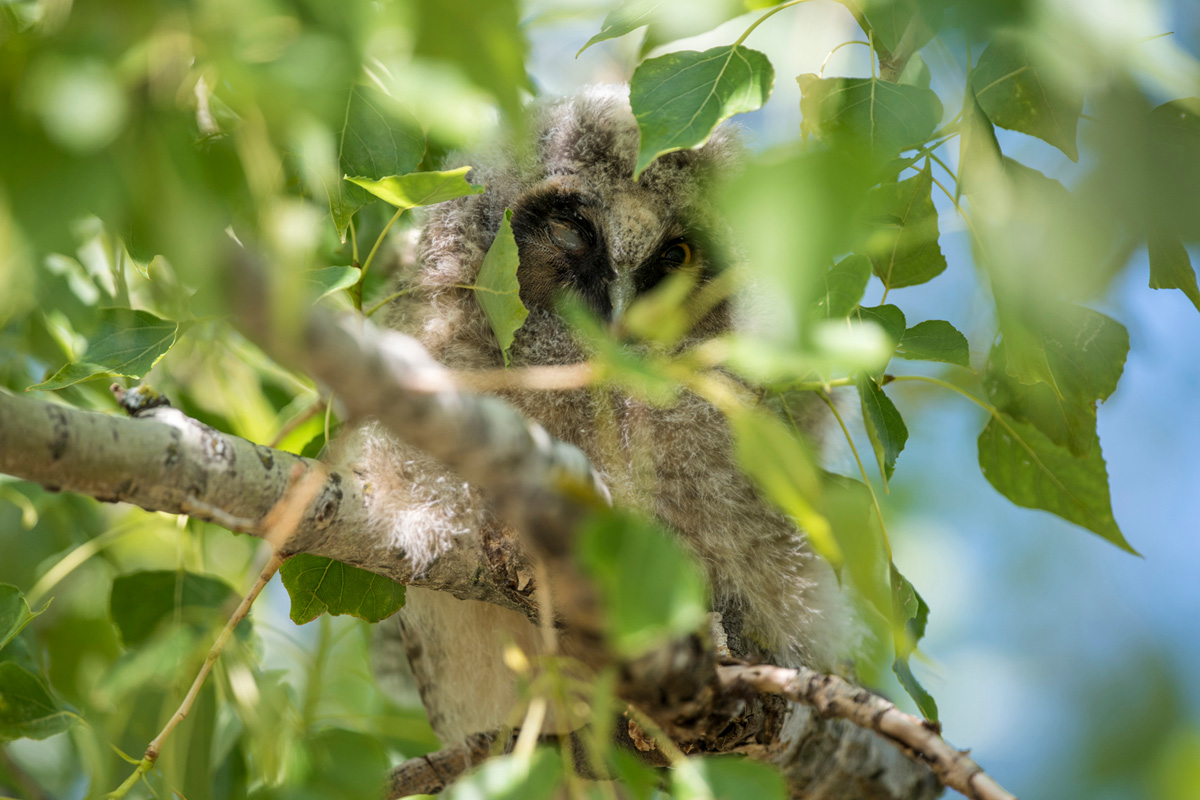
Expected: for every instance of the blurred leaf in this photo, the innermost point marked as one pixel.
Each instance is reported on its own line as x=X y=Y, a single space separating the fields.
x=916 y=691
x=651 y=587
x=888 y=317
x=331 y=279
x=1018 y=93
x=27 y=709
x=905 y=250
x=1085 y=353
x=319 y=585
x=346 y=764
x=916 y=73
x=912 y=613
x=935 y=340
x=511 y=777
x=678 y=99
x=726 y=778
x=1032 y=471
x=141 y=601
x=889 y=19
x=128 y=344
x=14 y=613
x=378 y=138
x=885 y=426
x=497 y=289
x=980 y=161
x=851 y=512
x=420 y=188
x=783 y=468
x=637 y=779
x=1171 y=268
x=480 y=37
x=845 y=283
x=881 y=117
x=626 y=19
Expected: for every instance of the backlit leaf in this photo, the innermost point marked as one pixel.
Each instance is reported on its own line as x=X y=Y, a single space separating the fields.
x=651 y=588
x=319 y=585
x=1171 y=267
x=678 y=99
x=888 y=317
x=726 y=777
x=127 y=344
x=497 y=289
x=378 y=138
x=1032 y=471
x=420 y=188
x=904 y=247
x=511 y=777
x=1018 y=93
x=845 y=283
x=935 y=340
x=330 y=279
x=881 y=117
x=626 y=19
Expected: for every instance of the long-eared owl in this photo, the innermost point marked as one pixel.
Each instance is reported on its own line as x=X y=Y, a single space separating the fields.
x=584 y=226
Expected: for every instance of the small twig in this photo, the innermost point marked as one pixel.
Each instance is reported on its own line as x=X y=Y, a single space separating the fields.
x=832 y=696
x=276 y=527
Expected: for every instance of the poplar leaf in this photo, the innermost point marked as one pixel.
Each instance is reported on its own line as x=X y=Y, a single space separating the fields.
x=420 y=188
x=881 y=117
x=678 y=99
x=904 y=248
x=885 y=426
x=27 y=709
x=1017 y=93
x=1025 y=466
x=14 y=613
x=935 y=340
x=127 y=344
x=845 y=283
x=626 y=19
x=1171 y=267
x=498 y=290
x=319 y=585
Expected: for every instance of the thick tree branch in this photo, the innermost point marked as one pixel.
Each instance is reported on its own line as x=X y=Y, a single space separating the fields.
x=162 y=460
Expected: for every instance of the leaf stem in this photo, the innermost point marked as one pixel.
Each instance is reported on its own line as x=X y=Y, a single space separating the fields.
x=356 y=289
x=155 y=747
x=829 y=55
x=764 y=17
x=387 y=300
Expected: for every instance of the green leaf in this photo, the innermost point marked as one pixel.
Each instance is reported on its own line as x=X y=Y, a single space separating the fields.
x=1084 y=352
x=378 y=138
x=1171 y=268
x=848 y=505
x=888 y=317
x=904 y=251
x=885 y=426
x=420 y=188
x=319 y=585
x=783 y=468
x=1019 y=94
x=1032 y=471
x=678 y=99
x=980 y=161
x=141 y=601
x=916 y=691
x=651 y=587
x=331 y=279
x=14 y=613
x=497 y=288
x=511 y=777
x=845 y=283
x=127 y=344
x=935 y=340
x=726 y=777
x=626 y=19
x=483 y=38
x=27 y=709
x=881 y=117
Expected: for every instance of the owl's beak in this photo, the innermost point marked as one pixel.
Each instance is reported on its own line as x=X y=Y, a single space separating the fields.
x=621 y=294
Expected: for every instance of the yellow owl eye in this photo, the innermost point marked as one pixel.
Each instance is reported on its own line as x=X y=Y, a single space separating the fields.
x=677 y=255
x=566 y=236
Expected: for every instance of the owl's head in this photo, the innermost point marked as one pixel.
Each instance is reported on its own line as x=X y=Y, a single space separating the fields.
x=582 y=224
